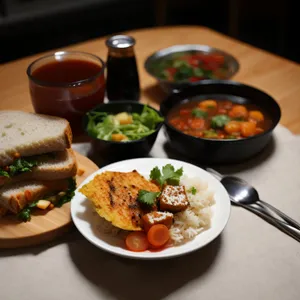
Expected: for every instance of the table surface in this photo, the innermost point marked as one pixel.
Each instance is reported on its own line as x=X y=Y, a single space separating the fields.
x=272 y=74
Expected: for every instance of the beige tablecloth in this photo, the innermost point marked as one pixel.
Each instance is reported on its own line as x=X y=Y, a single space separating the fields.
x=250 y=260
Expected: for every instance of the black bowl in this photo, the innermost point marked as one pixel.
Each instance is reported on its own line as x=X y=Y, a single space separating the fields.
x=112 y=151
x=220 y=151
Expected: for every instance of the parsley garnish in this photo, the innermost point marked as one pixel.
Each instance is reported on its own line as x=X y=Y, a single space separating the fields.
x=4 y=173
x=148 y=198
x=69 y=193
x=219 y=121
x=168 y=175
x=192 y=190
x=19 y=166
x=25 y=214
x=198 y=113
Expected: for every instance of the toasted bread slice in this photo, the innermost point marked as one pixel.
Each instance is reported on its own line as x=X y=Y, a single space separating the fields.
x=16 y=196
x=30 y=134
x=56 y=166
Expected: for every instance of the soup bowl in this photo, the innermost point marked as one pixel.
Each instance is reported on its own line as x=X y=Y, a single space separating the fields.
x=207 y=55
x=220 y=151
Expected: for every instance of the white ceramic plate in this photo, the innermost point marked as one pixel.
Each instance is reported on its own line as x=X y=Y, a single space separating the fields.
x=88 y=222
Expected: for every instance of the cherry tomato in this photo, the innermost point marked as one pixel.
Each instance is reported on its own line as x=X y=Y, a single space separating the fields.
x=137 y=241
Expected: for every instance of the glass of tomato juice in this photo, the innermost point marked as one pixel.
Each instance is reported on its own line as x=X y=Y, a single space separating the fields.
x=67 y=84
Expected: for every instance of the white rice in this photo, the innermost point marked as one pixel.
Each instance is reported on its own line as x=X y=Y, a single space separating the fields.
x=197 y=217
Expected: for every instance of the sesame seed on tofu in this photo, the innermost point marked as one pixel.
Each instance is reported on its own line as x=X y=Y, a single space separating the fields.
x=173 y=198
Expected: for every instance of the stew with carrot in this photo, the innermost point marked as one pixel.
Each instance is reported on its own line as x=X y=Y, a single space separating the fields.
x=219 y=119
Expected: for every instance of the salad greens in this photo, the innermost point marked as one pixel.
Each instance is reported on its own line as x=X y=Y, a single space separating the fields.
x=24 y=164
x=19 y=166
x=103 y=126
x=190 y=66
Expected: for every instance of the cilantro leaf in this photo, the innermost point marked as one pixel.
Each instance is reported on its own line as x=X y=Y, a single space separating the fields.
x=148 y=198
x=198 y=113
x=19 y=166
x=69 y=193
x=4 y=173
x=219 y=121
x=168 y=175
x=25 y=214
x=156 y=175
x=192 y=190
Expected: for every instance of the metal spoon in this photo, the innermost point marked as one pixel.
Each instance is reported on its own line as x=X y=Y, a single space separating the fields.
x=243 y=194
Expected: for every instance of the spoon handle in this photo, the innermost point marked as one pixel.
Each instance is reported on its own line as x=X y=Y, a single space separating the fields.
x=284 y=227
x=280 y=214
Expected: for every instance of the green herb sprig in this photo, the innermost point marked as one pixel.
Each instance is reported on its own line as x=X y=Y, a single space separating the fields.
x=168 y=175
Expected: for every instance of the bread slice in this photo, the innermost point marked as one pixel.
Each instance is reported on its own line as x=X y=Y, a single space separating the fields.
x=16 y=196
x=31 y=134
x=61 y=165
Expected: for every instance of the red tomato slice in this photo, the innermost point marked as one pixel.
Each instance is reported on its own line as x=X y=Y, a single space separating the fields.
x=137 y=241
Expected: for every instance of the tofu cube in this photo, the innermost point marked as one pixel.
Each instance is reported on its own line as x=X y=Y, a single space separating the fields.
x=157 y=217
x=173 y=198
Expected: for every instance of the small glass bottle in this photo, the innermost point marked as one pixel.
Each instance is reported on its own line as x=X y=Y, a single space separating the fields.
x=122 y=81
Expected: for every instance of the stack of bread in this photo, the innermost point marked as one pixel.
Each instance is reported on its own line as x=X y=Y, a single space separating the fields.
x=37 y=164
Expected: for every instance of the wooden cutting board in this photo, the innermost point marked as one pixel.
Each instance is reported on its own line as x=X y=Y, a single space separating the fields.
x=45 y=226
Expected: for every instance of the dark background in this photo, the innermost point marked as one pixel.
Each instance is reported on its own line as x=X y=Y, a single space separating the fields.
x=31 y=26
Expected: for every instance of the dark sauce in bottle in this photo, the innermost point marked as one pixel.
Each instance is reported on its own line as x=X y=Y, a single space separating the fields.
x=122 y=81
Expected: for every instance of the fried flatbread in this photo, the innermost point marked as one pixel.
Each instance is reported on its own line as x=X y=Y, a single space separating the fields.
x=114 y=195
